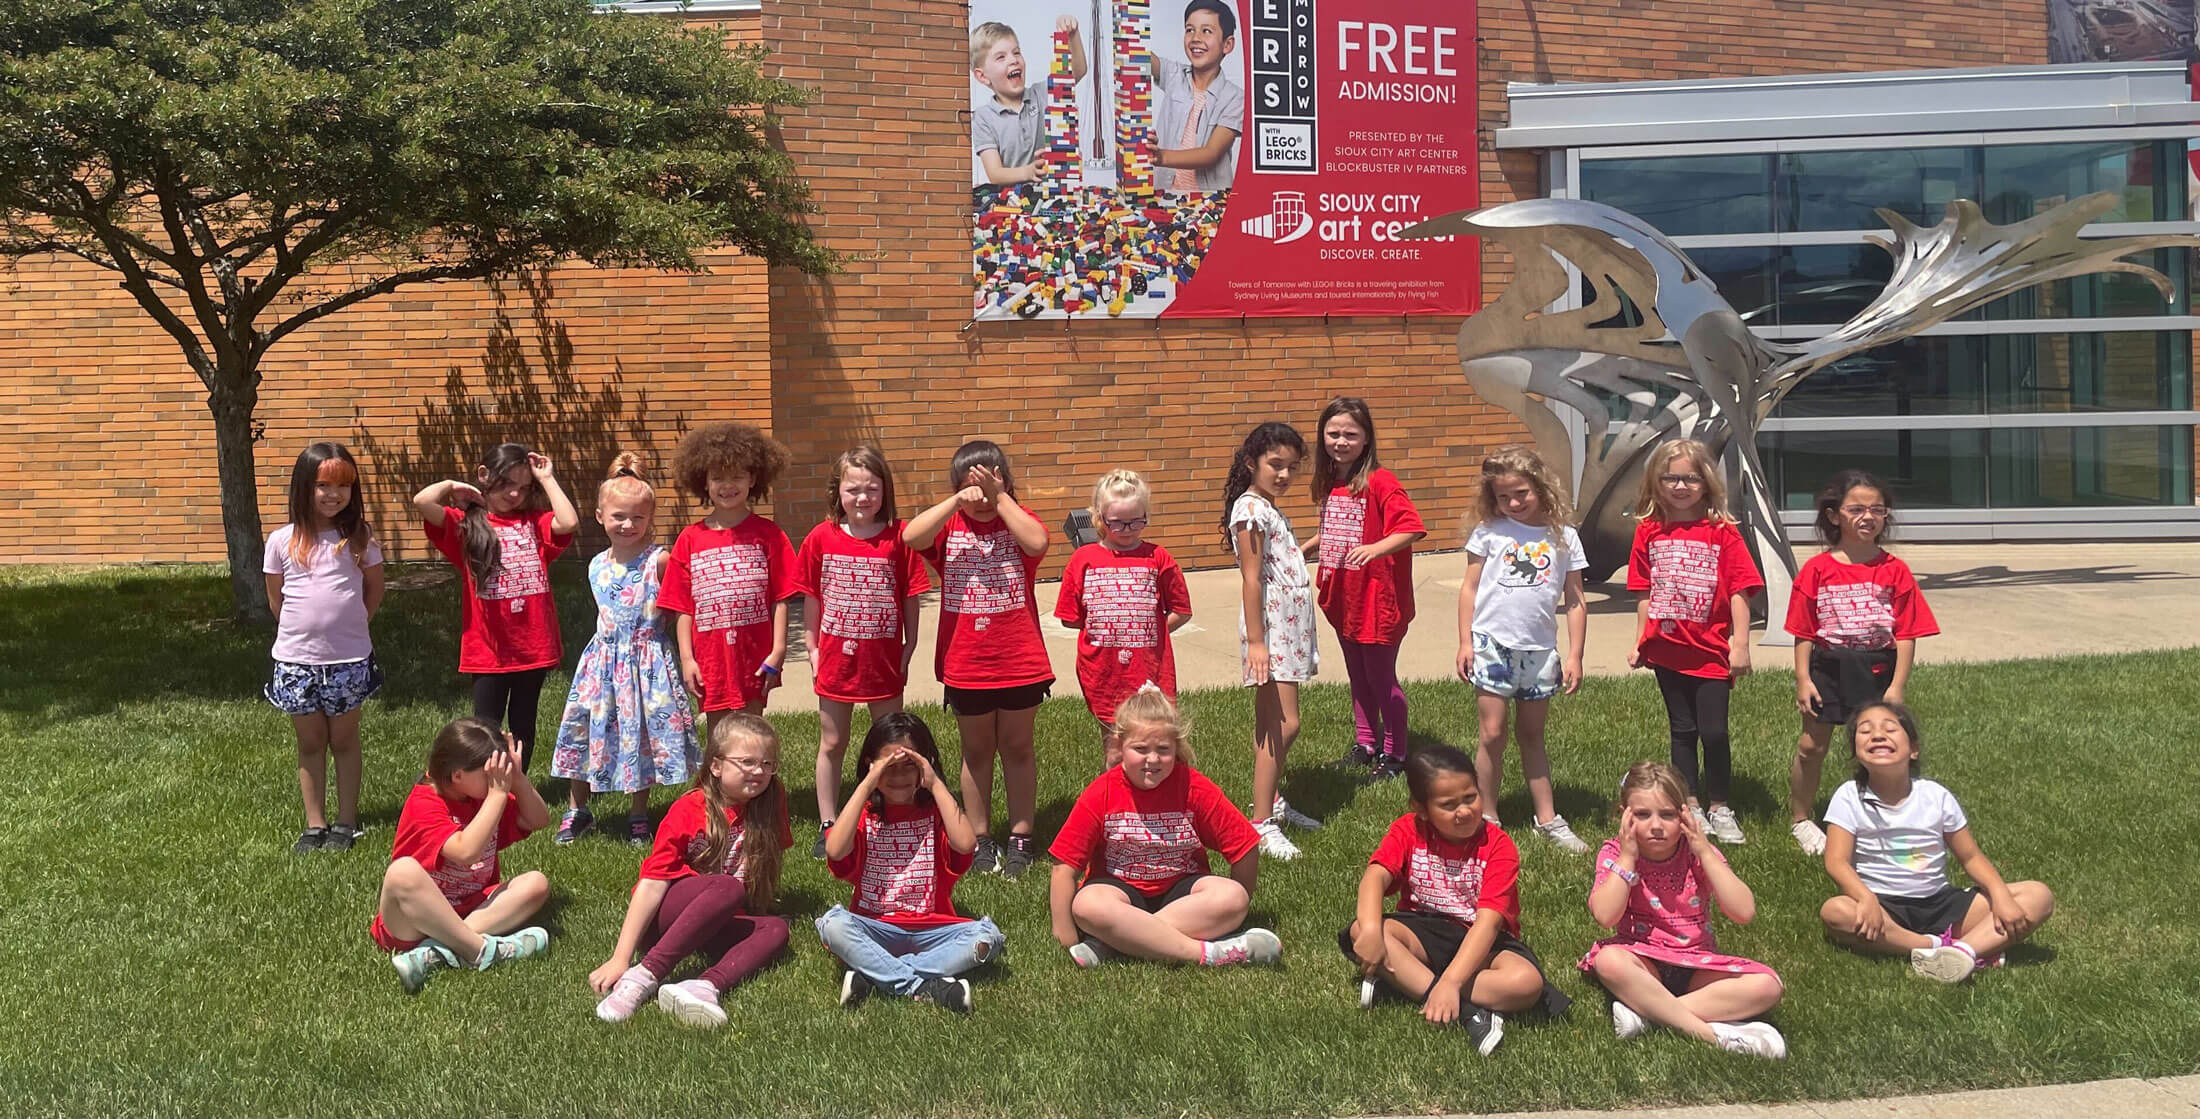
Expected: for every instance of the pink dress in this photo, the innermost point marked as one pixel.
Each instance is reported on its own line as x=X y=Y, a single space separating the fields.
x=1668 y=918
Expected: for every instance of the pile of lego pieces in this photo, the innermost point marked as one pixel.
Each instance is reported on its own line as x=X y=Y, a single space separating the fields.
x=1043 y=247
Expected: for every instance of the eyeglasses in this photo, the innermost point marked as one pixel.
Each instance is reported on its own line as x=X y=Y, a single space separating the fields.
x=754 y=765
x=1125 y=526
x=1681 y=479
x=1860 y=510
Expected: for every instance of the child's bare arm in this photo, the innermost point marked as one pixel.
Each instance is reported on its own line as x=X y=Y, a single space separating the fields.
x=1077 y=63
x=275 y=595
x=641 y=909
x=1577 y=631
x=1246 y=870
x=1202 y=157
x=371 y=589
x=1000 y=175
x=429 y=502
x=924 y=528
x=1061 y=887
x=1470 y=585
x=1031 y=536
x=1898 y=684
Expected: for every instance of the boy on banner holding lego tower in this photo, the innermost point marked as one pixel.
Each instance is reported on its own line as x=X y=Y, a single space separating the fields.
x=1006 y=129
x=1203 y=111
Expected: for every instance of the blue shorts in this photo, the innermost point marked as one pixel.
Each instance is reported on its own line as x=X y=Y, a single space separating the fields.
x=1518 y=674
x=323 y=689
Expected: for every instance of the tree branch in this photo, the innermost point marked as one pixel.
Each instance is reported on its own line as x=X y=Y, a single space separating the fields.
x=291 y=261
x=212 y=318
x=470 y=270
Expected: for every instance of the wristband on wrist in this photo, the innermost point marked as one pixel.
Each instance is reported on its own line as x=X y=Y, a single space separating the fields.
x=1625 y=875
x=768 y=667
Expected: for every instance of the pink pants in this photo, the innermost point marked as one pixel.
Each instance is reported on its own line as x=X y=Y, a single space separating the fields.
x=1378 y=703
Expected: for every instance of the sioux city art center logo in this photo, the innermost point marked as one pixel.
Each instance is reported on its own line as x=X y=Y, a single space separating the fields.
x=1286 y=220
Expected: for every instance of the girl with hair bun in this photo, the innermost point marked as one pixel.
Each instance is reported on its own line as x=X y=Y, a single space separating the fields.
x=1124 y=595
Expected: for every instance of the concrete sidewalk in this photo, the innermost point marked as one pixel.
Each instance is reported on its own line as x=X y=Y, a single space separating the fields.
x=1994 y=602
x=2169 y=1098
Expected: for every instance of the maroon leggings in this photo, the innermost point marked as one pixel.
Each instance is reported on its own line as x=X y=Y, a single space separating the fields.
x=703 y=913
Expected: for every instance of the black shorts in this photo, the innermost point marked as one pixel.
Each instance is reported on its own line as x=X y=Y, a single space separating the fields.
x=985 y=701
x=1848 y=679
x=1930 y=915
x=1441 y=938
x=1156 y=902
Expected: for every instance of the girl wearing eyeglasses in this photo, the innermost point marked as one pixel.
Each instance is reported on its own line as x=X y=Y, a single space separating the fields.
x=708 y=884
x=1856 y=614
x=1125 y=596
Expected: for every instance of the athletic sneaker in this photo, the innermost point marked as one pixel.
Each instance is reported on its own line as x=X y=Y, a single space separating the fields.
x=415 y=965
x=693 y=1003
x=1702 y=824
x=515 y=946
x=985 y=858
x=1355 y=757
x=309 y=841
x=640 y=832
x=854 y=986
x=1253 y=946
x=340 y=837
x=1017 y=858
x=817 y=850
x=1625 y=1022
x=1945 y=963
x=954 y=994
x=1091 y=953
x=1559 y=832
x=1367 y=993
x=1724 y=827
x=1272 y=842
x=1808 y=836
x=1387 y=767
x=575 y=824
x=1292 y=817
x=1485 y=1028
x=1757 y=1039
x=634 y=987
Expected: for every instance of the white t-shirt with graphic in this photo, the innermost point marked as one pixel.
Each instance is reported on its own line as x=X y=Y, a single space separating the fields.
x=1523 y=581
x=1901 y=849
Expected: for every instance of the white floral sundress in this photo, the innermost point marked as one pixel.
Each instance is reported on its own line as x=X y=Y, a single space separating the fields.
x=1287 y=594
x=627 y=725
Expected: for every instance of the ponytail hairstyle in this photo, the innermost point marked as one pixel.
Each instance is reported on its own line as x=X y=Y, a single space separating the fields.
x=1901 y=715
x=331 y=463
x=1830 y=499
x=484 y=555
x=1258 y=442
x=1657 y=777
x=1149 y=708
x=871 y=461
x=901 y=728
x=1663 y=458
x=1119 y=485
x=1325 y=469
x=624 y=477
x=763 y=818
x=461 y=745
x=980 y=452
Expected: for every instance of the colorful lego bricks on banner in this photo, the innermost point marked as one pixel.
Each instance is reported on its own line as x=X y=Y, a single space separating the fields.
x=1060 y=157
x=1040 y=248
x=1134 y=138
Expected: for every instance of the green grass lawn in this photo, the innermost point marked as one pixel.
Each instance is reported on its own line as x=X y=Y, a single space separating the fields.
x=163 y=952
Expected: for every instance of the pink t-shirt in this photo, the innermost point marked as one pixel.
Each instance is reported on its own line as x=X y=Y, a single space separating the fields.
x=324 y=618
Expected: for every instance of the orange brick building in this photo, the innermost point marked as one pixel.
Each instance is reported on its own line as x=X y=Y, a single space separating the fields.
x=106 y=451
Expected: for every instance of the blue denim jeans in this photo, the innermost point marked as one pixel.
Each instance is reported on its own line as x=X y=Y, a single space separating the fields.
x=899 y=959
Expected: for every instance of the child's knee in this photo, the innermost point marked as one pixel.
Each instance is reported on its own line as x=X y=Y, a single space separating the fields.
x=530 y=889
x=1614 y=962
x=1095 y=901
x=1016 y=750
x=1287 y=729
x=406 y=873
x=2036 y=898
x=1838 y=914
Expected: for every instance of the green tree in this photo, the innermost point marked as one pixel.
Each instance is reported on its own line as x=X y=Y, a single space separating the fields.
x=250 y=166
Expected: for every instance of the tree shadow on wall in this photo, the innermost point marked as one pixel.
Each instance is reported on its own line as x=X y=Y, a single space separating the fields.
x=525 y=391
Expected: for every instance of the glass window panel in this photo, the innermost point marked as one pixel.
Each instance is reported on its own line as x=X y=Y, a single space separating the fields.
x=2120 y=372
x=2030 y=179
x=1927 y=469
x=1688 y=195
x=1830 y=283
x=1842 y=190
x=2092 y=466
x=1934 y=376
x=1744 y=278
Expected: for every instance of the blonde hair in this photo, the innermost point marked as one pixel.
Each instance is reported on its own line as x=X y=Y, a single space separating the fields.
x=763 y=818
x=983 y=36
x=1550 y=493
x=624 y=477
x=1120 y=485
x=1654 y=777
x=1149 y=709
x=1661 y=458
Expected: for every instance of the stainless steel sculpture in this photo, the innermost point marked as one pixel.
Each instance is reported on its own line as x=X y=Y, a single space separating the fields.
x=1658 y=354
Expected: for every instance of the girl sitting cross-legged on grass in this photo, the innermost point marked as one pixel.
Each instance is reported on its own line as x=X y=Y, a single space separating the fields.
x=1454 y=943
x=442 y=902
x=1655 y=887
x=706 y=883
x=1140 y=834
x=902 y=843
x=1889 y=835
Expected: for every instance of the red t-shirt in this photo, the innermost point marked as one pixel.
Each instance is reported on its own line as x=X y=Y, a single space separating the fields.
x=1368 y=605
x=861 y=586
x=1122 y=602
x=903 y=868
x=1431 y=874
x=428 y=821
x=511 y=625
x=1152 y=838
x=727 y=579
x=681 y=841
x=989 y=615
x=1692 y=570
x=1858 y=605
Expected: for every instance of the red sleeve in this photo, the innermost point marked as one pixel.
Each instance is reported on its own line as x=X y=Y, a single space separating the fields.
x=1735 y=569
x=676 y=592
x=1912 y=618
x=1070 y=604
x=1802 y=619
x=423 y=827
x=667 y=861
x=1220 y=825
x=1397 y=846
x=1399 y=515
x=1079 y=838
x=509 y=829
x=1638 y=560
x=447 y=537
x=553 y=544
x=914 y=579
x=1176 y=597
x=1500 y=876
x=779 y=558
x=809 y=563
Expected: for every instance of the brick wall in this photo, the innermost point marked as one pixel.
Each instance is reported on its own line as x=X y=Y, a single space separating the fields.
x=106 y=452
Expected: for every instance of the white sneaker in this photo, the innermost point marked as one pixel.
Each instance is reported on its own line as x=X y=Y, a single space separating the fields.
x=1724 y=827
x=1367 y=993
x=1292 y=817
x=1757 y=1039
x=1272 y=842
x=1945 y=963
x=634 y=987
x=1625 y=1022
x=1253 y=946
x=693 y=1003
x=1808 y=836
x=1560 y=833
x=1703 y=824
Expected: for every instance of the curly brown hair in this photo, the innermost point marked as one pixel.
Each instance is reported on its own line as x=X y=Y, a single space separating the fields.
x=729 y=448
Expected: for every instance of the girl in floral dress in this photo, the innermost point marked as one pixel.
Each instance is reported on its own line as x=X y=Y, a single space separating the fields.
x=1276 y=627
x=627 y=725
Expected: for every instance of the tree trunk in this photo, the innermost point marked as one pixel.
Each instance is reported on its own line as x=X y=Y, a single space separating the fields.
x=233 y=440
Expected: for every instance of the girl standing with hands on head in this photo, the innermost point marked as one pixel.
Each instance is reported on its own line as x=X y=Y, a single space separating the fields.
x=627 y=726
x=324 y=583
x=987 y=546
x=1276 y=618
x=707 y=885
x=1365 y=586
x=861 y=588
x=502 y=544
x=1656 y=884
x=1524 y=565
x=1124 y=596
x=1856 y=614
x=1693 y=575
x=731 y=574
